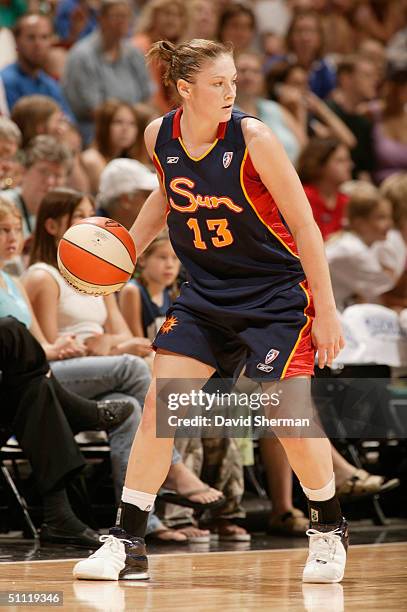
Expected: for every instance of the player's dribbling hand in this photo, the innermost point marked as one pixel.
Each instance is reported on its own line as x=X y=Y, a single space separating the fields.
x=327 y=338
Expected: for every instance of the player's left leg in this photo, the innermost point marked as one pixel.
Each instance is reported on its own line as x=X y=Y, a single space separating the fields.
x=311 y=460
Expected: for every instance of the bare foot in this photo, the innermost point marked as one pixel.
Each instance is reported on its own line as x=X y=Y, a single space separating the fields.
x=226 y=529
x=182 y=480
x=169 y=535
x=194 y=534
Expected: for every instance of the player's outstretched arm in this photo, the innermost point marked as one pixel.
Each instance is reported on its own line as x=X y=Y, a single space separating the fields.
x=281 y=179
x=153 y=216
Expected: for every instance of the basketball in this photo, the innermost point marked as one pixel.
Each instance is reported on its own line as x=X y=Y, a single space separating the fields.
x=97 y=256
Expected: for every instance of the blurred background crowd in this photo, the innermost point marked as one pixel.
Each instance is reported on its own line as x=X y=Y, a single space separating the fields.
x=329 y=77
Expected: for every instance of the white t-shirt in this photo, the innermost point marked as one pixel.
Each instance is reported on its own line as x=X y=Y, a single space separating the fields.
x=79 y=314
x=358 y=269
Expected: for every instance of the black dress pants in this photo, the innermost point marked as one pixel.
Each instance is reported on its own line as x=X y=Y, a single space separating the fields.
x=31 y=410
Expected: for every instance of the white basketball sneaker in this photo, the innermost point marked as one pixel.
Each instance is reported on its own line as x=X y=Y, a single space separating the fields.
x=122 y=557
x=327 y=554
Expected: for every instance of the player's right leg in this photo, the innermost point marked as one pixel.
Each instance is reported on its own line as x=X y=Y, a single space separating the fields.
x=123 y=554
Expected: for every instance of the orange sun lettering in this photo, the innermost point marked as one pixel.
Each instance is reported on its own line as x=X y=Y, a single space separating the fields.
x=168 y=325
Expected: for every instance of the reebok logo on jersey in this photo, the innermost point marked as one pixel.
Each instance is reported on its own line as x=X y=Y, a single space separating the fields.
x=264 y=368
x=227 y=159
x=172 y=160
x=271 y=355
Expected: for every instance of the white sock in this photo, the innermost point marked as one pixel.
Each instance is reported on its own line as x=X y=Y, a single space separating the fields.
x=144 y=501
x=323 y=494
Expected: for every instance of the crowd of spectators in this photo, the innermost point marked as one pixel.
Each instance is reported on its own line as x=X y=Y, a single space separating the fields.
x=329 y=77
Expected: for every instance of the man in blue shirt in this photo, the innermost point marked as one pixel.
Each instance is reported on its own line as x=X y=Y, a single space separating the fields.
x=33 y=35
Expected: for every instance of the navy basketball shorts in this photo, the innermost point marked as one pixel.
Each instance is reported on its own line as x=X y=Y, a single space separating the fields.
x=272 y=342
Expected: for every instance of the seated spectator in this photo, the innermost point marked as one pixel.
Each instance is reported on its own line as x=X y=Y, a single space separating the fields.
x=33 y=34
x=203 y=19
x=394 y=189
x=145 y=300
x=390 y=128
x=124 y=187
x=324 y=165
x=288 y=84
x=116 y=135
x=305 y=45
x=36 y=417
x=362 y=263
x=36 y=115
x=375 y=52
x=161 y=20
x=356 y=85
x=47 y=165
x=339 y=32
x=250 y=89
x=105 y=65
x=237 y=24
x=10 y=141
x=75 y=19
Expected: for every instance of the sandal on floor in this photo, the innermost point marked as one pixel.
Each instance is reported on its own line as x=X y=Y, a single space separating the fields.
x=172 y=497
x=362 y=484
x=229 y=532
x=154 y=537
x=291 y=523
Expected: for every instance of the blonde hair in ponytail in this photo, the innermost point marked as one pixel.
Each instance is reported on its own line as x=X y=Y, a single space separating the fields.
x=184 y=61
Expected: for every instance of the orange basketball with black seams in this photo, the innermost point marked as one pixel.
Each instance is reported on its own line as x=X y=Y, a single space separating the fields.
x=97 y=256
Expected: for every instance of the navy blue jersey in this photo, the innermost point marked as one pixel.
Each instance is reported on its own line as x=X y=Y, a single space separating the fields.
x=153 y=315
x=224 y=225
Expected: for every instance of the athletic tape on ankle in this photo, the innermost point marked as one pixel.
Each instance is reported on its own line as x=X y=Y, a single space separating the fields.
x=323 y=494
x=144 y=501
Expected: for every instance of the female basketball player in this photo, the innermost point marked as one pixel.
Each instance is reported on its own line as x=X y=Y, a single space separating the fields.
x=240 y=223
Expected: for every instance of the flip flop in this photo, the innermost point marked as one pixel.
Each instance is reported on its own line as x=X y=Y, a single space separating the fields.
x=172 y=497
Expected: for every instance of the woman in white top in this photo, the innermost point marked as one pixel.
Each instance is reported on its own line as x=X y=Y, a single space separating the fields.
x=366 y=260
x=99 y=325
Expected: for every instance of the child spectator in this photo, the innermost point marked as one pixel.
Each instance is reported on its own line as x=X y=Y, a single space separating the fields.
x=362 y=263
x=145 y=300
x=324 y=165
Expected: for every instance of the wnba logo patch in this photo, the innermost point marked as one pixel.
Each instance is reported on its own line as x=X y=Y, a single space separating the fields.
x=227 y=159
x=271 y=355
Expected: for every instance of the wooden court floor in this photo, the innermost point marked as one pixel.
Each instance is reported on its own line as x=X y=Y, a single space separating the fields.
x=376 y=579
